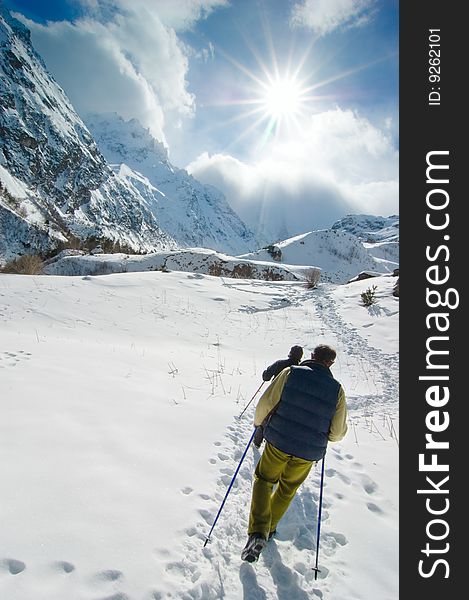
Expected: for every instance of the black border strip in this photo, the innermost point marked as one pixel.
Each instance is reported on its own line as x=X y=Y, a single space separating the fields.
x=432 y=120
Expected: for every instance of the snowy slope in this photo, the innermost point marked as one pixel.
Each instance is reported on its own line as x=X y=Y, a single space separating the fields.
x=194 y=260
x=370 y=228
x=340 y=255
x=119 y=437
x=54 y=183
x=380 y=235
x=196 y=215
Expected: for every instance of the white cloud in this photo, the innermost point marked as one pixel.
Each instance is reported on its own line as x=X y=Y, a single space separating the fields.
x=125 y=57
x=179 y=15
x=273 y=202
x=341 y=163
x=323 y=16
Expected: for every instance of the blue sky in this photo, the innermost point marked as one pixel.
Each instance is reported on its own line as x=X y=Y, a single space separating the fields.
x=251 y=29
x=193 y=71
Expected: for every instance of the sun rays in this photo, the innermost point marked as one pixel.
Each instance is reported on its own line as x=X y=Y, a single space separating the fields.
x=271 y=101
x=271 y=98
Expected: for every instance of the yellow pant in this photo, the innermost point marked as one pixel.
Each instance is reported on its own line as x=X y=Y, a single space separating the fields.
x=275 y=467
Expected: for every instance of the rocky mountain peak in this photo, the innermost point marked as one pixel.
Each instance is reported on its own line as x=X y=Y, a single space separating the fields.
x=57 y=188
x=370 y=228
x=126 y=141
x=16 y=27
x=196 y=215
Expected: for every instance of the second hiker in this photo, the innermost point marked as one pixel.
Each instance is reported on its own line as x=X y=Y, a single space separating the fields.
x=294 y=358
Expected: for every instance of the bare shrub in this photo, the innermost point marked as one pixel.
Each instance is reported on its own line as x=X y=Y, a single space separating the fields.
x=73 y=243
x=312 y=277
x=243 y=271
x=216 y=270
x=239 y=271
x=28 y=264
x=369 y=296
x=271 y=275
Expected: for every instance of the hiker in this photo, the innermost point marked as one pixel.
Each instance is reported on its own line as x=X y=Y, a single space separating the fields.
x=294 y=357
x=308 y=409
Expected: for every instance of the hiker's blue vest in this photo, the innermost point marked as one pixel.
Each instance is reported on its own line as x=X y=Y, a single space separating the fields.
x=300 y=425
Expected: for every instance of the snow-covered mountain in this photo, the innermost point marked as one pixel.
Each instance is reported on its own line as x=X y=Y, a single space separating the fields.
x=370 y=228
x=58 y=190
x=380 y=235
x=340 y=255
x=54 y=183
x=196 y=215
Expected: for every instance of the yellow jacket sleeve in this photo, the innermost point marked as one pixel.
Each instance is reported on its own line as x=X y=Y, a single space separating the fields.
x=271 y=397
x=339 y=427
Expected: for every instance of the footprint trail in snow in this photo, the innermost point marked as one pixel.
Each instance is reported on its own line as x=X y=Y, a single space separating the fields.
x=216 y=571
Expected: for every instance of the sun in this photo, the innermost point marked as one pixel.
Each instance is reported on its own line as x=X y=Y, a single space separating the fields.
x=276 y=102
x=283 y=98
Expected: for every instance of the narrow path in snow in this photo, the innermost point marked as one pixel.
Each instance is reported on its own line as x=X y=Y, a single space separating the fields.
x=379 y=370
x=216 y=571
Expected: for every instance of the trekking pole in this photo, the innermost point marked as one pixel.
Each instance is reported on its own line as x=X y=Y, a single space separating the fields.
x=244 y=409
x=315 y=568
x=229 y=489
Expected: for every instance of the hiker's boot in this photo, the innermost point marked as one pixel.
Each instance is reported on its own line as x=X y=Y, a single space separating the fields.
x=255 y=544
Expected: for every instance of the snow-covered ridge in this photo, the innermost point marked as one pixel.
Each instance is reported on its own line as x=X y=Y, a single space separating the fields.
x=340 y=255
x=193 y=260
x=54 y=182
x=128 y=142
x=379 y=235
x=194 y=214
x=56 y=186
x=370 y=228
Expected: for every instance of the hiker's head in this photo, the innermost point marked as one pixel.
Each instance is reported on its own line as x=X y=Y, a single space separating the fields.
x=296 y=353
x=324 y=354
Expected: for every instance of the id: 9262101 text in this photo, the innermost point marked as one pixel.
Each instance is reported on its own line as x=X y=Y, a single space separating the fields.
x=434 y=67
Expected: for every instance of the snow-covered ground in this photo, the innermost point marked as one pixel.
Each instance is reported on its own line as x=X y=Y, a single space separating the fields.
x=193 y=260
x=119 y=436
x=339 y=254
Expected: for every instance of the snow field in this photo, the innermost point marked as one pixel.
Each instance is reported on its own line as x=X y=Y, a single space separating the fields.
x=119 y=438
